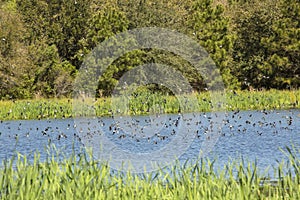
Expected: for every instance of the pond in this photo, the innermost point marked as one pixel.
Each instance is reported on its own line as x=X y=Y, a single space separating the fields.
x=254 y=135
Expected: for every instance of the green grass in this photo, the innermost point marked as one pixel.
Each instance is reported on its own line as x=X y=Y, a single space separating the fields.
x=148 y=103
x=82 y=178
x=257 y=100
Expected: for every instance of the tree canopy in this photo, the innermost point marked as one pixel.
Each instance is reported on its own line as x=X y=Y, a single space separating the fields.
x=254 y=44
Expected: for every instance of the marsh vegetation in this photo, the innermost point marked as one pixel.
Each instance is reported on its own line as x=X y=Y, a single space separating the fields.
x=80 y=176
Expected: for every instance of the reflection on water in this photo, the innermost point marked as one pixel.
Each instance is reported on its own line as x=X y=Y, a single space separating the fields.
x=255 y=135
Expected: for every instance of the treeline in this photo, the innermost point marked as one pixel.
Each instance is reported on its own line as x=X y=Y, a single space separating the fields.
x=254 y=43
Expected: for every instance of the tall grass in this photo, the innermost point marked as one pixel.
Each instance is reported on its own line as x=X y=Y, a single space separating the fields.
x=147 y=103
x=35 y=109
x=269 y=99
x=81 y=177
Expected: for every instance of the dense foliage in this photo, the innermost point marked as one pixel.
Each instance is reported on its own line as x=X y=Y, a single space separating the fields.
x=255 y=44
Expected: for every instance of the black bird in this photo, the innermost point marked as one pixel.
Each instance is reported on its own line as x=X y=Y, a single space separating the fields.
x=290 y=120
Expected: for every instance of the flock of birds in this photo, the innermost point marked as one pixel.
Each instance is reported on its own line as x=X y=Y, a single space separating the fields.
x=160 y=128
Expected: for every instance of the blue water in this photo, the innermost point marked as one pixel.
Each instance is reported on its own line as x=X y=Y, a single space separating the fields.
x=257 y=136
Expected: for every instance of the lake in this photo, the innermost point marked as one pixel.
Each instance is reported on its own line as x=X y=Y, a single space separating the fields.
x=253 y=135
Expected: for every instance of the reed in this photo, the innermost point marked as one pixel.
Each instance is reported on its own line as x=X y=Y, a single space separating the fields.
x=79 y=177
x=145 y=103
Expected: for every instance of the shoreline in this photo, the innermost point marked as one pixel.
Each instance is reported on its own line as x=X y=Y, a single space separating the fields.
x=35 y=109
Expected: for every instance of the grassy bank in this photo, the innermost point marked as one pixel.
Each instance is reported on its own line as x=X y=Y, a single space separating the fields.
x=147 y=103
x=86 y=179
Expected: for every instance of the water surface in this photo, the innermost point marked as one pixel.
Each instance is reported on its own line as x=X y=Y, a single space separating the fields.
x=254 y=135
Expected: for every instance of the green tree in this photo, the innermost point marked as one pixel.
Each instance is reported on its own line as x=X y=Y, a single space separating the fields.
x=188 y=17
x=104 y=23
x=210 y=27
x=35 y=15
x=155 y=13
x=15 y=73
x=53 y=78
x=267 y=47
x=62 y=23
x=284 y=46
